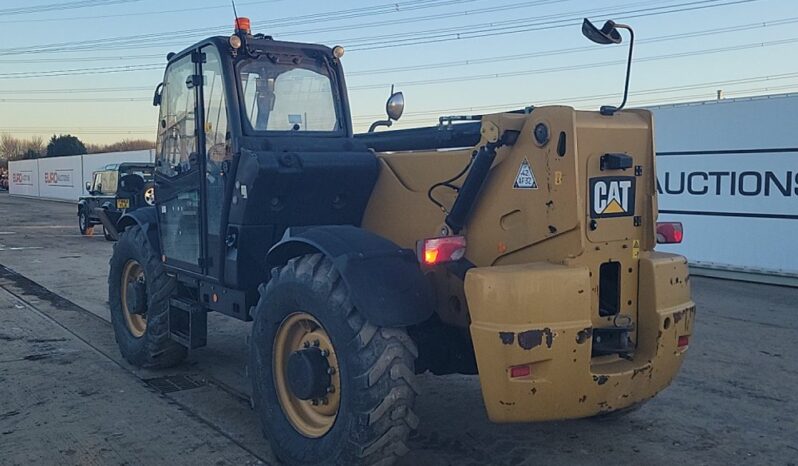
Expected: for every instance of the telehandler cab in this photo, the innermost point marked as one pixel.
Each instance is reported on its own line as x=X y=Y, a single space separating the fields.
x=518 y=246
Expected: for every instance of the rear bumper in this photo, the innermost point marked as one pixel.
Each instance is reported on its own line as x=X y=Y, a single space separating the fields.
x=539 y=315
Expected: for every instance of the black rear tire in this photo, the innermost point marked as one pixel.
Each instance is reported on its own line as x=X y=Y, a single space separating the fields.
x=377 y=380
x=84 y=223
x=153 y=349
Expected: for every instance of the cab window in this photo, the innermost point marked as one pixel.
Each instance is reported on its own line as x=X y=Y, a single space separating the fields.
x=176 y=145
x=288 y=98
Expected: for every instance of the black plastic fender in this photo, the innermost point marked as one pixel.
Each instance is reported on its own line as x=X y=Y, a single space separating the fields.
x=385 y=281
x=82 y=204
x=147 y=219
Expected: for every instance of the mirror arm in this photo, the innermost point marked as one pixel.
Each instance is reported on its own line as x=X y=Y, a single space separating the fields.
x=609 y=110
x=379 y=123
x=628 y=62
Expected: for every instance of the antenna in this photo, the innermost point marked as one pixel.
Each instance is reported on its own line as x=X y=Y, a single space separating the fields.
x=234 y=9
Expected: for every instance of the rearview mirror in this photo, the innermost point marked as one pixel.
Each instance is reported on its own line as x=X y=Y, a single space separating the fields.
x=156 y=98
x=606 y=35
x=609 y=34
x=395 y=106
x=88 y=187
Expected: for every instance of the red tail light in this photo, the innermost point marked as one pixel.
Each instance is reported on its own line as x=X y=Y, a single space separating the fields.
x=438 y=250
x=520 y=371
x=669 y=232
x=684 y=341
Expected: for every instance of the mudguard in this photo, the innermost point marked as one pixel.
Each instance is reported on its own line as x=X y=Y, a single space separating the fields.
x=147 y=219
x=385 y=281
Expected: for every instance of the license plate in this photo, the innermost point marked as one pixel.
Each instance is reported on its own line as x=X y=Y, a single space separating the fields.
x=122 y=203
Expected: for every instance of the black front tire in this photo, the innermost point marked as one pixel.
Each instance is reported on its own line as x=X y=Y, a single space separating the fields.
x=84 y=223
x=378 y=386
x=153 y=349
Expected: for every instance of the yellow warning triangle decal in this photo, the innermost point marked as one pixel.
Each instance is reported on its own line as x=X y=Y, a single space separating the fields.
x=613 y=208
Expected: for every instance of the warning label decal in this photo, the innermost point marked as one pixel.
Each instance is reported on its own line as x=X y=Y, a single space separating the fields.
x=525 y=179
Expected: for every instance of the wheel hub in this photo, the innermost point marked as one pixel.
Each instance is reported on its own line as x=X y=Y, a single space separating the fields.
x=308 y=374
x=136 y=298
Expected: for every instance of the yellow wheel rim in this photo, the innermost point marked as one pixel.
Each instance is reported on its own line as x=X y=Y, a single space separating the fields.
x=131 y=273
x=311 y=418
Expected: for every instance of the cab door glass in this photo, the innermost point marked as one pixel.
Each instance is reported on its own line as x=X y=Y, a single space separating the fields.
x=97 y=185
x=217 y=147
x=177 y=145
x=110 y=179
x=177 y=166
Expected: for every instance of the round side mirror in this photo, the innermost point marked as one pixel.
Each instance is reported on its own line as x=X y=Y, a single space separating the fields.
x=395 y=106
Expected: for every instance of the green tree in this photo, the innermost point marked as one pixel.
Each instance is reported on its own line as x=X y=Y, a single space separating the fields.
x=65 y=145
x=31 y=154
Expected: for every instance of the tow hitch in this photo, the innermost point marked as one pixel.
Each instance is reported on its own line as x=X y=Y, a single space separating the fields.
x=613 y=340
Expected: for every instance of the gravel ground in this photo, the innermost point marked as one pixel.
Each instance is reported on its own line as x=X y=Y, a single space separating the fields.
x=733 y=402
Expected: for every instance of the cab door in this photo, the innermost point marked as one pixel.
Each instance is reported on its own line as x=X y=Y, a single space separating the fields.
x=217 y=156
x=178 y=167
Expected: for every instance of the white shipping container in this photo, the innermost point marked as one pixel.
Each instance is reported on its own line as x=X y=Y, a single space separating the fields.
x=728 y=170
x=23 y=178
x=60 y=177
x=64 y=178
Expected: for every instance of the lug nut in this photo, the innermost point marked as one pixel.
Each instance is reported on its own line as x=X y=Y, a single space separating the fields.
x=330 y=389
x=316 y=343
x=324 y=401
x=330 y=370
x=324 y=353
x=315 y=402
x=306 y=344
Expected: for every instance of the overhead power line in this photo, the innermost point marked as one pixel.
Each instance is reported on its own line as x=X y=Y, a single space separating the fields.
x=383 y=41
x=424 y=66
x=515 y=27
x=151 y=66
x=587 y=98
x=61 y=6
x=225 y=6
x=478 y=77
x=147 y=39
x=563 y=51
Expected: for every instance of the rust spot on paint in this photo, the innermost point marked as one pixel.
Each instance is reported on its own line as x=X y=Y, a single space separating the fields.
x=600 y=379
x=583 y=398
x=581 y=291
x=533 y=338
x=507 y=337
x=534 y=390
x=640 y=370
x=552 y=229
x=677 y=316
x=507 y=403
x=584 y=335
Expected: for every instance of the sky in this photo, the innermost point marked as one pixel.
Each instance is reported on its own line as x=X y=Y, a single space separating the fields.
x=89 y=67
